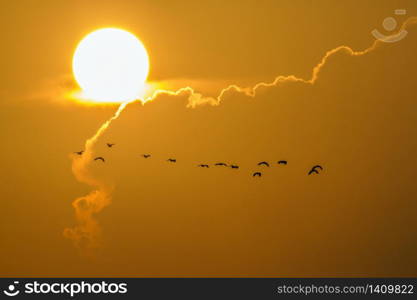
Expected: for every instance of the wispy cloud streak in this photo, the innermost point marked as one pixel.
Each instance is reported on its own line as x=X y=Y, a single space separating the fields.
x=86 y=234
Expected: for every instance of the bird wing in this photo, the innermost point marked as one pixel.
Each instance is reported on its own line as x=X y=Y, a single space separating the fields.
x=317 y=166
x=312 y=171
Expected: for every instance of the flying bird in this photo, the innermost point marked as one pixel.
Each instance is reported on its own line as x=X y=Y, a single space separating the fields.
x=79 y=152
x=263 y=163
x=110 y=145
x=99 y=158
x=146 y=155
x=171 y=160
x=220 y=164
x=282 y=162
x=234 y=166
x=203 y=166
x=259 y=174
x=317 y=167
x=313 y=171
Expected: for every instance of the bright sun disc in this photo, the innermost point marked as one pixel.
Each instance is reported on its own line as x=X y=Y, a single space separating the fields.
x=110 y=65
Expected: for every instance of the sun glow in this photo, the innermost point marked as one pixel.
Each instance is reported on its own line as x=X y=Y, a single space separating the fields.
x=110 y=65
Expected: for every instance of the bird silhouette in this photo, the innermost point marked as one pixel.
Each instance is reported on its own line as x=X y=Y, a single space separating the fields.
x=263 y=163
x=99 y=158
x=259 y=174
x=171 y=160
x=317 y=167
x=110 y=145
x=313 y=171
x=282 y=162
x=234 y=166
x=79 y=152
x=146 y=155
x=220 y=164
x=203 y=166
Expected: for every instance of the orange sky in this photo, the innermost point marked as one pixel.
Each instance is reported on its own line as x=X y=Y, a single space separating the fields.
x=357 y=218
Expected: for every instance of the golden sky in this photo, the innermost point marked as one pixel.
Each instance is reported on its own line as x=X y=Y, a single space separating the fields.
x=357 y=119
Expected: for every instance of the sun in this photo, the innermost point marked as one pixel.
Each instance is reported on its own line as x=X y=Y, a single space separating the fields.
x=110 y=65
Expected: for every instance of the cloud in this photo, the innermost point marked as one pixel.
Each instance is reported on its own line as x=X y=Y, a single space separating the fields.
x=87 y=233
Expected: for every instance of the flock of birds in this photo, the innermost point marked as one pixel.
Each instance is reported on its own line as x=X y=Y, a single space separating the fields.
x=313 y=170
